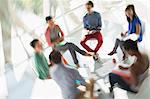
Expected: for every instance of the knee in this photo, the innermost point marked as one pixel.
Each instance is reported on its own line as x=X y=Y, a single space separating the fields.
x=82 y=42
x=69 y=44
x=118 y=40
x=112 y=76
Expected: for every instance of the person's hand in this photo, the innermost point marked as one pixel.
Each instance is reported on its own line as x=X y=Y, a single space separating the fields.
x=56 y=42
x=123 y=68
x=59 y=40
x=82 y=88
x=114 y=61
x=122 y=35
x=52 y=45
x=50 y=65
x=49 y=77
x=88 y=31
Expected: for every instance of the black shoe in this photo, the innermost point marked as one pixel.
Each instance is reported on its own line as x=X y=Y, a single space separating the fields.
x=112 y=53
x=95 y=56
x=99 y=90
x=110 y=89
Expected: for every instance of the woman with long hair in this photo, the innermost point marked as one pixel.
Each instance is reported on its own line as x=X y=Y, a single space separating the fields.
x=134 y=30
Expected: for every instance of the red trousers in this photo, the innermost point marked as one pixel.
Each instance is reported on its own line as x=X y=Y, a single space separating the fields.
x=97 y=36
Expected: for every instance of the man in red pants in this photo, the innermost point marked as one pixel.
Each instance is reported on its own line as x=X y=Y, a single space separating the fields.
x=92 y=23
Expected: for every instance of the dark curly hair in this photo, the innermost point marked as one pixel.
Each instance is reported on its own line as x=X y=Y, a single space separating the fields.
x=130 y=45
x=55 y=56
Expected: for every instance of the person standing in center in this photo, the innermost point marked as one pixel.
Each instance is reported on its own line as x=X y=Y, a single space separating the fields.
x=92 y=23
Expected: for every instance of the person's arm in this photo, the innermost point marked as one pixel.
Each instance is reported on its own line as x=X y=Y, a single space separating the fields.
x=84 y=23
x=137 y=24
x=36 y=64
x=138 y=29
x=124 y=34
x=133 y=68
x=99 y=22
x=47 y=37
x=77 y=76
x=62 y=35
x=89 y=86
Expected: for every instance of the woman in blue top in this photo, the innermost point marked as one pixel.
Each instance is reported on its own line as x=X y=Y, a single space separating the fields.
x=134 y=29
